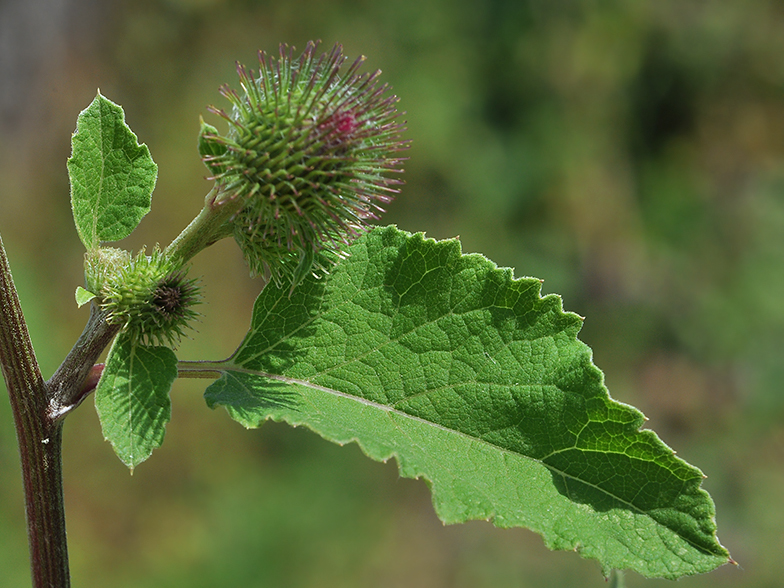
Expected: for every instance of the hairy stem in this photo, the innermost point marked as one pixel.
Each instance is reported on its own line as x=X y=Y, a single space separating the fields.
x=39 y=438
x=210 y=226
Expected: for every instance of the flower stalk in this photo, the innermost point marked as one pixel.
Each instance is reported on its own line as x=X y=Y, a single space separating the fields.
x=212 y=224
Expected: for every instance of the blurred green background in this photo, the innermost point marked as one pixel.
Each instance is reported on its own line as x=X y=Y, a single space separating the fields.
x=631 y=154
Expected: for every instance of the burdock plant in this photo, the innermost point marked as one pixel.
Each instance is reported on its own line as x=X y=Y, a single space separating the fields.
x=465 y=375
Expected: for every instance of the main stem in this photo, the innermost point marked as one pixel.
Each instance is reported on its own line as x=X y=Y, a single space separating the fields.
x=39 y=438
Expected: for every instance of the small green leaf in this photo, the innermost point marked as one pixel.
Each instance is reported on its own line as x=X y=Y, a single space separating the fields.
x=473 y=381
x=83 y=296
x=112 y=175
x=132 y=398
x=210 y=146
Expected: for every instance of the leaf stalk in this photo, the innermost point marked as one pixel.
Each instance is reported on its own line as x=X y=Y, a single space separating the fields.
x=203 y=369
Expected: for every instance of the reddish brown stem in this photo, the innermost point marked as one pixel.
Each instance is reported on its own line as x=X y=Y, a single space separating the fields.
x=39 y=438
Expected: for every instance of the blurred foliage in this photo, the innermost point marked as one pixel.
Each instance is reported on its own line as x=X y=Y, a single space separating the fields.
x=631 y=154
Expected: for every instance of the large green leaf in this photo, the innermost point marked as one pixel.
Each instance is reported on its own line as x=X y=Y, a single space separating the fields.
x=132 y=398
x=473 y=381
x=112 y=175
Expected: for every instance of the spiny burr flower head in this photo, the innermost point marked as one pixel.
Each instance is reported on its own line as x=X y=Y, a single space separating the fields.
x=309 y=154
x=146 y=294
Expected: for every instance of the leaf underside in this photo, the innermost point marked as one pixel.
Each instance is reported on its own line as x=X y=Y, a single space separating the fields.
x=112 y=175
x=476 y=383
x=132 y=398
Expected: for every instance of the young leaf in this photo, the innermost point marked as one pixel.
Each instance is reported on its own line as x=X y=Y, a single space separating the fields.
x=112 y=175
x=473 y=381
x=209 y=147
x=132 y=398
x=83 y=296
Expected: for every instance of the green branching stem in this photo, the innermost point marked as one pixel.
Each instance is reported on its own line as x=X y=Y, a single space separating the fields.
x=211 y=225
x=39 y=437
